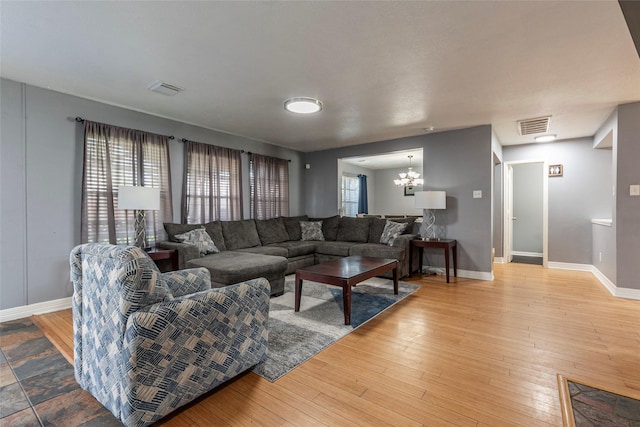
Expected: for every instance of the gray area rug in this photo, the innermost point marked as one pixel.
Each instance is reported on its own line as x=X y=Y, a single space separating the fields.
x=296 y=337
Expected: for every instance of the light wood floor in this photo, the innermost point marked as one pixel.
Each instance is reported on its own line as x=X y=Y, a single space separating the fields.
x=471 y=353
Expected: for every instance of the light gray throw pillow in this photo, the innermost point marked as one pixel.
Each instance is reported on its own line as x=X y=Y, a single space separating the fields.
x=200 y=239
x=311 y=230
x=391 y=231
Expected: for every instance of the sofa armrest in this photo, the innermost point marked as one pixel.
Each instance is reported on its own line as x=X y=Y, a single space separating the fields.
x=185 y=252
x=189 y=281
x=403 y=240
x=180 y=349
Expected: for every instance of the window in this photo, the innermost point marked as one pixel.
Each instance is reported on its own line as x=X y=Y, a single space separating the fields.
x=212 y=184
x=269 y=185
x=350 y=190
x=115 y=156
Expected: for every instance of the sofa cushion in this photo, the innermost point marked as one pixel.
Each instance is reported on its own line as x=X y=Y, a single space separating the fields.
x=200 y=239
x=233 y=267
x=297 y=248
x=265 y=250
x=172 y=229
x=311 y=230
x=334 y=248
x=292 y=224
x=329 y=226
x=378 y=250
x=353 y=229
x=391 y=232
x=214 y=229
x=271 y=231
x=376 y=227
x=240 y=234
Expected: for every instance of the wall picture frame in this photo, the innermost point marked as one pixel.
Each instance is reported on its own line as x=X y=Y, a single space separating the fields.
x=555 y=170
x=409 y=191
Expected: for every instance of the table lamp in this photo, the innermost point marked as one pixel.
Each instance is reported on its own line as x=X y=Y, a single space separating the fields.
x=429 y=201
x=139 y=199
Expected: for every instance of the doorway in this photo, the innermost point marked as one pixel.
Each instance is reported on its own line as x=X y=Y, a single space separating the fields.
x=526 y=212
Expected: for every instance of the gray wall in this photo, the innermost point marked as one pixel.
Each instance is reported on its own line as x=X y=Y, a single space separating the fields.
x=575 y=198
x=41 y=167
x=527 y=207
x=627 y=214
x=457 y=162
x=390 y=199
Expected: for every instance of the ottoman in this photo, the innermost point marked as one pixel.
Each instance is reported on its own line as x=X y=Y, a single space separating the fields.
x=231 y=267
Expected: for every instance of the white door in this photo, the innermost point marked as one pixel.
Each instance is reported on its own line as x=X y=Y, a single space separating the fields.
x=509 y=216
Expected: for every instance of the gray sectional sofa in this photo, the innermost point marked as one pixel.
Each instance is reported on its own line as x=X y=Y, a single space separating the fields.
x=275 y=247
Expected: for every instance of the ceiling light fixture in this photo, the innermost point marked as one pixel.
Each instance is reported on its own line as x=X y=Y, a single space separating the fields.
x=545 y=138
x=409 y=178
x=302 y=105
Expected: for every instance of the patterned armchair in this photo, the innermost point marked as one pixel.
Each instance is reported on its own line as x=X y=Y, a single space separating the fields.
x=147 y=342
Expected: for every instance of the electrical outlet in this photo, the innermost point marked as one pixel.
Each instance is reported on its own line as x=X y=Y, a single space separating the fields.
x=477 y=194
x=634 y=190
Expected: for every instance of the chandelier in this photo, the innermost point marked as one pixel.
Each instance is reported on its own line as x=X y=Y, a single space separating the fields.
x=409 y=178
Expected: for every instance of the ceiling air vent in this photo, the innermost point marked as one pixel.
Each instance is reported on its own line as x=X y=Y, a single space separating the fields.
x=164 y=88
x=531 y=126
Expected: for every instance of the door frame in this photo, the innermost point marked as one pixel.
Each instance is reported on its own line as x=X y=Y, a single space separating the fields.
x=507 y=205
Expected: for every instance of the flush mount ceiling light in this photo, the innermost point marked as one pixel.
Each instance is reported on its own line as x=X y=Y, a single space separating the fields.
x=545 y=138
x=302 y=105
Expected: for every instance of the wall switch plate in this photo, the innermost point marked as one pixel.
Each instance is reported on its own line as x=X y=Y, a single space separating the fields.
x=634 y=190
x=477 y=194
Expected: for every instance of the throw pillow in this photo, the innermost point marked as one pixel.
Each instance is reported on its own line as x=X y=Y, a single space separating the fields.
x=200 y=239
x=311 y=230
x=391 y=231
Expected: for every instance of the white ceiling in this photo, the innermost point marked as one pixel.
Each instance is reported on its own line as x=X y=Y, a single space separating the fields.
x=383 y=70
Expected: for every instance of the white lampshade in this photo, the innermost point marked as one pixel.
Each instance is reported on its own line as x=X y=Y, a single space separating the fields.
x=139 y=198
x=431 y=199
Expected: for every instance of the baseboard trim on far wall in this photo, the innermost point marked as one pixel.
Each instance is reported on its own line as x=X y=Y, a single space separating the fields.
x=31 y=309
x=499 y=260
x=604 y=280
x=531 y=254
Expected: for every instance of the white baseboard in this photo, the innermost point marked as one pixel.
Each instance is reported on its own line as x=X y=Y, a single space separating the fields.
x=31 y=309
x=531 y=254
x=499 y=260
x=569 y=266
x=468 y=274
x=604 y=280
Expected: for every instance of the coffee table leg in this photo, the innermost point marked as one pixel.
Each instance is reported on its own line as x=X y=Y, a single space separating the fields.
x=298 y=292
x=395 y=279
x=346 y=303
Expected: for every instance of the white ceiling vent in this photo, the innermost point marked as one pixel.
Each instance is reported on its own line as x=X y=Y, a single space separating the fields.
x=532 y=126
x=164 y=88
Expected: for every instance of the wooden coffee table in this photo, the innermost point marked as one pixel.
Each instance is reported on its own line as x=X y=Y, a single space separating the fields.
x=345 y=272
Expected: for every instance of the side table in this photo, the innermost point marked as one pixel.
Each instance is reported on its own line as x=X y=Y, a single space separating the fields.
x=160 y=254
x=446 y=244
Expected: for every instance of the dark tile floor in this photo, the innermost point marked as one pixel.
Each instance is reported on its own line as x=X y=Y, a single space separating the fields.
x=599 y=408
x=37 y=386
